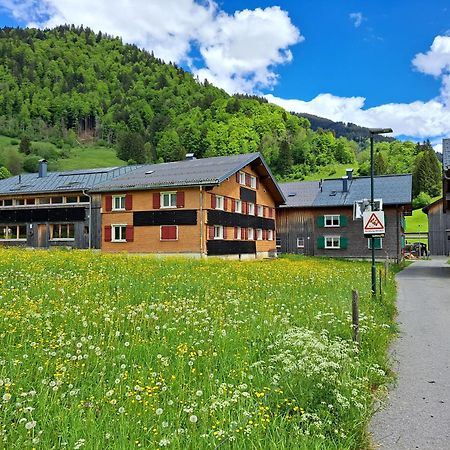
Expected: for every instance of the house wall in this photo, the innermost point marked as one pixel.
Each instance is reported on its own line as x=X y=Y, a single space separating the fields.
x=293 y=223
x=193 y=238
x=438 y=224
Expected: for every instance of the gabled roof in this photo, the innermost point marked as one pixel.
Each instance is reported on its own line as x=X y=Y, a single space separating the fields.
x=192 y=172
x=393 y=189
x=54 y=182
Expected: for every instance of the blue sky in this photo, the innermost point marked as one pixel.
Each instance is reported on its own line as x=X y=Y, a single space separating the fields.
x=375 y=63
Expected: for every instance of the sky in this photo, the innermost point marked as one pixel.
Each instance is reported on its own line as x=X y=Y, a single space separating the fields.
x=380 y=63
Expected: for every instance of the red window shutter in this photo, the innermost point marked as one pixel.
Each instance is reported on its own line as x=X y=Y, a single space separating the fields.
x=255 y=234
x=128 y=202
x=129 y=233
x=264 y=235
x=245 y=230
x=257 y=183
x=108 y=232
x=211 y=232
x=173 y=231
x=156 y=200
x=270 y=212
x=233 y=205
x=244 y=208
x=255 y=210
x=248 y=181
x=169 y=232
x=224 y=232
x=213 y=201
x=237 y=177
x=180 y=199
x=108 y=203
x=236 y=233
x=264 y=211
x=225 y=204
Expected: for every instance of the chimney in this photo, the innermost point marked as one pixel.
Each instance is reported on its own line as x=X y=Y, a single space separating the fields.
x=349 y=174
x=42 y=168
x=190 y=156
x=345 y=184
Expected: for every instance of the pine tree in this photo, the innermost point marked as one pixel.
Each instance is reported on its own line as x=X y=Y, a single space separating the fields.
x=427 y=174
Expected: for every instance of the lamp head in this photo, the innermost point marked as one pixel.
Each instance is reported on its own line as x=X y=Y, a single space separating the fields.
x=380 y=130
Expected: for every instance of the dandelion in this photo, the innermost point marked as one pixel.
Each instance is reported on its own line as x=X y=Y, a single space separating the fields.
x=30 y=425
x=121 y=410
x=193 y=418
x=159 y=411
x=6 y=397
x=164 y=442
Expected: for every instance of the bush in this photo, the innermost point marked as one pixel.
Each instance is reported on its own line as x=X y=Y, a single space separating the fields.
x=31 y=163
x=14 y=142
x=423 y=199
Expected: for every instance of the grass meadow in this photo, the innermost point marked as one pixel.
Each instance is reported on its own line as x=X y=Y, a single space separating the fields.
x=105 y=351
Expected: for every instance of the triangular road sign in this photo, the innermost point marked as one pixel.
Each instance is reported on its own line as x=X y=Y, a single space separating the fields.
x=373 y=222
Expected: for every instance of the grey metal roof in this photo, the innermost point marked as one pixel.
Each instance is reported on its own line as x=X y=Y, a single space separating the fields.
x=393 y=189
x=70 y=181
x=192 y=172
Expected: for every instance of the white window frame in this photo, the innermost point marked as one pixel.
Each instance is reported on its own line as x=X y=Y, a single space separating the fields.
x=369 y=240
x=16 y=235
x=220 y=202
x=238 y=206
x=250 y=209
x=121 y=200
x=218 y=232
x=260 y=210
x=52 y=231
x=123 y=235
x=167 y=240
x=252 y=182
x=300 y=242
x=259 y=234
x=250 y=234
x=239 y=231
x=172 y=195
x=270 y=235
x=242 y=178
x=332 y=218
x=330 y=242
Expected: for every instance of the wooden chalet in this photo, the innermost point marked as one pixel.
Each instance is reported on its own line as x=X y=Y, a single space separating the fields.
x=318 y=217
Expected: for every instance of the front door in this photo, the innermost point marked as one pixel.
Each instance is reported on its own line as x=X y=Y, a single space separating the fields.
x=42 y=235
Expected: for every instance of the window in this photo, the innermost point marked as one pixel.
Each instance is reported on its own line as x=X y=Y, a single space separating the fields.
x=13 y=232
x=259 y=234
x=237 y=233
x=260 y=210
x=251 y=209
x=169 y=233
x=253 y=182
x=84 y=199
x=19 y=201
x=8 y=202
x=62 y=231
x=332 y=241
x=378 y=243
x=238 y=206
x=332 y=220
x=251 y=234
x=57 y=200
x=72 y=199
x=218 y=232
x=300 y=242
x=31 y=201
x=43 y=200
x=219 y=202
x=270 y=235
x=118 y=202
x=242 y=178
x=119 y=233
x=168 y=199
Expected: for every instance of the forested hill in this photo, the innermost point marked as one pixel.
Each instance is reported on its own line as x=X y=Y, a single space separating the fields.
x=70 y=84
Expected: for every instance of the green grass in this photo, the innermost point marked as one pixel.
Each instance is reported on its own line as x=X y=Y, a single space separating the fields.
x=125 y=352
x=331 y=171
x=90 y=157
x=418 y=222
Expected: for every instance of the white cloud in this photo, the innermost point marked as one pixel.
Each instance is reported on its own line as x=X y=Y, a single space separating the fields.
x=239 y=51
x=357 y=19
x=437 y=60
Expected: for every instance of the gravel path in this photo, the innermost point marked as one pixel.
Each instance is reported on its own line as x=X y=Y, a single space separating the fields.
x=417 y=414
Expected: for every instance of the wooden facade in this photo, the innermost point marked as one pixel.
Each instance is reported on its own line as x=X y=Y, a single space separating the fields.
x=235 y=218
x=305 y=231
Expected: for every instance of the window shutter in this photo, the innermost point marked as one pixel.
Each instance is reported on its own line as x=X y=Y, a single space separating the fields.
x=248 y=180
x=168 y=232
x=236 y=233
x=213 y=201
x=224 y=232
x=156 y=200
x=233 y=205
x=255 y=234
x=108 y=203
x=344 y=243
x=237 y=177
x=270 y=212
x=242 y=233
x=180 y=199
x=264 y=211
x=264 y=235
x=255 y=209
x=377 y=243
x=244 y=208
x=321 y=223
x=257 y=183
x=128 y=202
x=245 y=230
x=321 y=241
x=108 y=232
x=225 y=204
x=343 y=220
x=211 y=232
x=129 y=233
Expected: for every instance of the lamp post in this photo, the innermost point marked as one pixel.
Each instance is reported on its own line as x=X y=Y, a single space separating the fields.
x=373 y=132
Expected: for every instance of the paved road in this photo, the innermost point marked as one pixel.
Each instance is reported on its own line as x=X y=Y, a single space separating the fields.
x=417 y=415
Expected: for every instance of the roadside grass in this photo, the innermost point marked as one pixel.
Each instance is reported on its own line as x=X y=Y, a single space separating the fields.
x=125 y=352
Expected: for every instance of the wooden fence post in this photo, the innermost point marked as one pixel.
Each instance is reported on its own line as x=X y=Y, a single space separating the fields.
x=381 y=284
x=355 y=315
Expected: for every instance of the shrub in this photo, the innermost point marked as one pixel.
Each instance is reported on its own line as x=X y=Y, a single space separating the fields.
x=423 y=199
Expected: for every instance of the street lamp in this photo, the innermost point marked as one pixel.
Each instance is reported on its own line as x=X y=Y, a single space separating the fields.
x=373 y=132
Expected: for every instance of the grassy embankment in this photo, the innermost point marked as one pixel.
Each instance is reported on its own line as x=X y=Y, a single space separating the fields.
x=115 y=351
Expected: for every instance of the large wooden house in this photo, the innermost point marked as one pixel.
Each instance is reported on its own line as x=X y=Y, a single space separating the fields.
x=318 y=217
x=212 y=206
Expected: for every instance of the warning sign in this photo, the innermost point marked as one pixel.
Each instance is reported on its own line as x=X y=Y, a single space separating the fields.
x=373 y=222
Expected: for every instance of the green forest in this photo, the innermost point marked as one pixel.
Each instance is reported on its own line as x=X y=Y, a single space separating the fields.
x=68 y=89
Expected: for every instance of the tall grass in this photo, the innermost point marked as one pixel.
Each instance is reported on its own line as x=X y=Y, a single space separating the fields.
x=121 y=352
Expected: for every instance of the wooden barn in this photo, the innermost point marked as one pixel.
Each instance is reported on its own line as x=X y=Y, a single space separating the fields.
x=317 y=218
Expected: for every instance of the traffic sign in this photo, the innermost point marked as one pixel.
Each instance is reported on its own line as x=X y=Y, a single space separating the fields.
x=373 y=222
